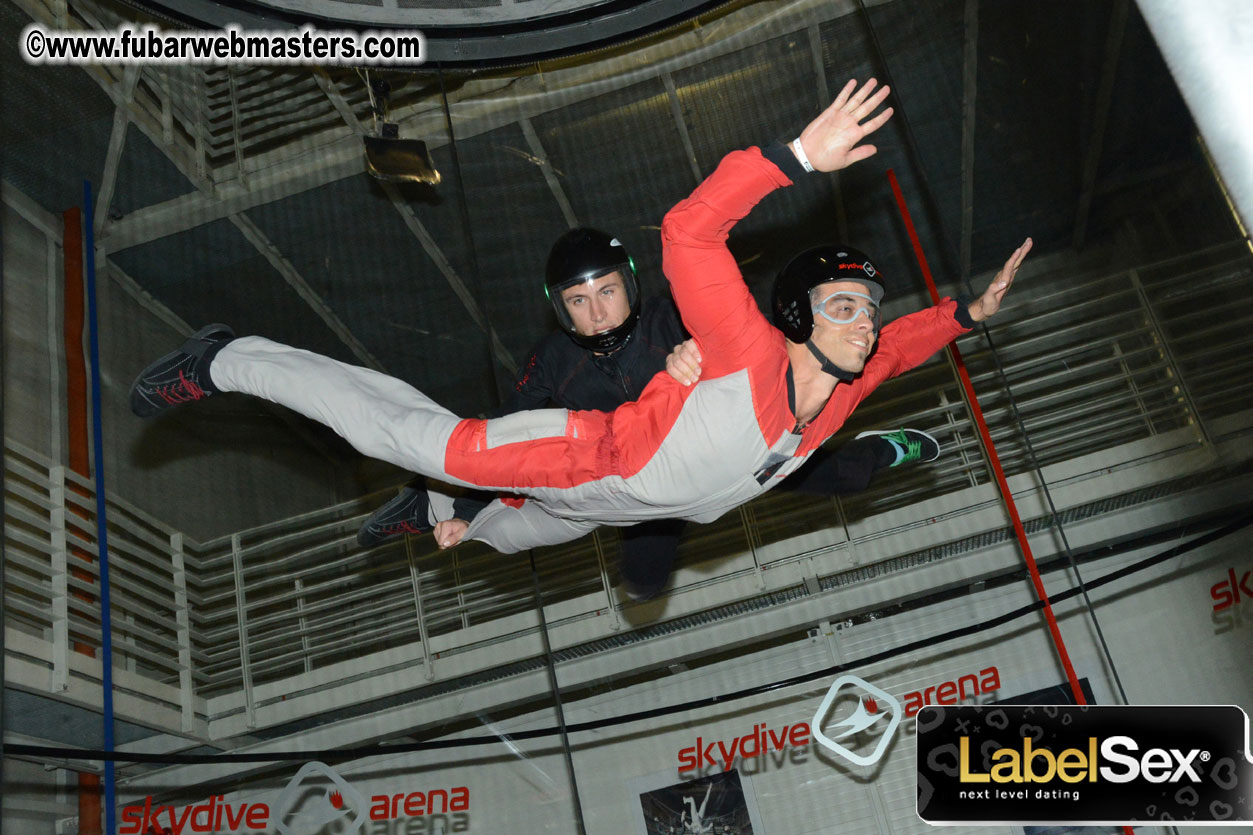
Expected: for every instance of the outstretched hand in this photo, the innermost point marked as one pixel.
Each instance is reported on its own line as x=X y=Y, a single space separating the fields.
x=830 y=141
x=990 y=302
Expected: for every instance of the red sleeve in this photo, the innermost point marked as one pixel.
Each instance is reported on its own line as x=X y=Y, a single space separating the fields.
x=715 y=304
x=910 y=340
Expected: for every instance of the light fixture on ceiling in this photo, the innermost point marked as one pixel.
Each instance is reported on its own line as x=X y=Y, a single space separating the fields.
x=387 y=156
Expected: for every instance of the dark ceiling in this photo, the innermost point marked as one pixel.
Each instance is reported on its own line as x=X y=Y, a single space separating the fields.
x=465 y=33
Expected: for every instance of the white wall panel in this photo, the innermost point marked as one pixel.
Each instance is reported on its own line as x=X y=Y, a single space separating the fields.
x=265 y=472
x=1168 y=643
x=31 y=279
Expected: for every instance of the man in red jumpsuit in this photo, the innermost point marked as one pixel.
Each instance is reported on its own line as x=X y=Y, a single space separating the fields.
x=763 y=404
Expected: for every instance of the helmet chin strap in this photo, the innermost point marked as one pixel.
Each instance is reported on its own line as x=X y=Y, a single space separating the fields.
x=609 y=352
x=828 y=366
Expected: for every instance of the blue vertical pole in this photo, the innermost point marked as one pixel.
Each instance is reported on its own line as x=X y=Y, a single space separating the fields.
x=102 y=541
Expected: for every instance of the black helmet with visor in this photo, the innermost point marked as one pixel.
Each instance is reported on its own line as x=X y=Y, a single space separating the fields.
x=581 y=256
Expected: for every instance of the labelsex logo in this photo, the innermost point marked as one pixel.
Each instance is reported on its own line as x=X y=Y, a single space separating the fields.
x=1156 y=765
x=1090 y=764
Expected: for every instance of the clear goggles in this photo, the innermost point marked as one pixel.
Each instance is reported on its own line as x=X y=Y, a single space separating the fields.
x=843 y=307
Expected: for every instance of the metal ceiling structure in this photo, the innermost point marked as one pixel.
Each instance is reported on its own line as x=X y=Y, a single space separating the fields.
x=471 y=32
x=259 y=171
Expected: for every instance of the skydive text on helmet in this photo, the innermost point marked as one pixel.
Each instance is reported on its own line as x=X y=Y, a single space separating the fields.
x=1039 y=765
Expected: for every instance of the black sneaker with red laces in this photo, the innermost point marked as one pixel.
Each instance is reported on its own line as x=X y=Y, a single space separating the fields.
x=181 y=376
x=407 y=513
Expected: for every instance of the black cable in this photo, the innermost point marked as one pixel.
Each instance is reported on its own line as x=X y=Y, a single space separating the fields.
x=3 y=539
x=556 y=691
x=492 y=365
x=1054 y=518
x=342 y=754
x=931 y=207
x=471 y=248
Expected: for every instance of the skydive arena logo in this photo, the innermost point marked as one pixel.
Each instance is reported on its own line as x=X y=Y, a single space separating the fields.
x=315 y=797
x=856 y=720
x=1084 y=765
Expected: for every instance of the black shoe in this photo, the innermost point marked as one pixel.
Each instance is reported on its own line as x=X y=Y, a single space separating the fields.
x=908 y=445
x=647 y=556
x=180 y=376
x=407 y=513
x=641 y=593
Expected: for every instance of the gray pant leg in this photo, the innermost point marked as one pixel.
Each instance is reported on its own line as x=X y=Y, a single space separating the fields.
x=513 y=529
x=382 y=417
x=388 y=419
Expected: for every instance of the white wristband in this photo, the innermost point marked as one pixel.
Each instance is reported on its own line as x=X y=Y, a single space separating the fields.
x=800 y=155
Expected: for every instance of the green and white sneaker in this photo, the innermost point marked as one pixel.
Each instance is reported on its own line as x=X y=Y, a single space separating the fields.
x=910 y=445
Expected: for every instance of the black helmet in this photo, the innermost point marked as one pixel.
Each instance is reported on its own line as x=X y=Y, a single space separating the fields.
x=791 y=303
x=582 y=255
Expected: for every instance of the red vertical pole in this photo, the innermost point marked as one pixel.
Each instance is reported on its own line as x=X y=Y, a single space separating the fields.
x=89 y=818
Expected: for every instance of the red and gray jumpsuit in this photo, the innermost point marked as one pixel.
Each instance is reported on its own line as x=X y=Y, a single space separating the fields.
x=678 y=452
